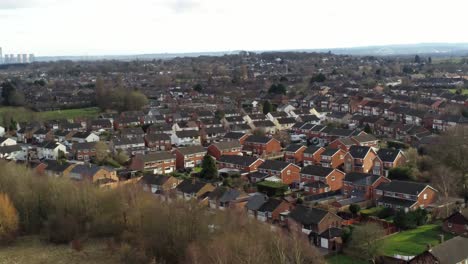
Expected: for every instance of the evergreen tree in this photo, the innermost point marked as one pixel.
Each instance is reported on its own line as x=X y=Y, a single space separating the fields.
x=209 y=170
x=267 y=107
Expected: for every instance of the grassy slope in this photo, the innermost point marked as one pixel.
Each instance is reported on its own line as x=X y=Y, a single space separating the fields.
x=29 y=250
x=23 y=114
x=343 y=259
x=415 y=241
x=465 y=91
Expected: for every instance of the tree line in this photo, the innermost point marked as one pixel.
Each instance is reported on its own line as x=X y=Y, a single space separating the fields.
x=141 y=228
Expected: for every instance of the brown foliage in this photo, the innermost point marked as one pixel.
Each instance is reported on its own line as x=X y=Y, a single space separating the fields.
x=8 y=219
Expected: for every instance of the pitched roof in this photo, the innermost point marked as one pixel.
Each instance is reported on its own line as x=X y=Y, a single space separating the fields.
x=312 y=149
x=316 y=170
x=451 y=251
x=406 y=187
x=270 y=205
x=163 y=155
x=258 y=139
x=330 y=151
x=190 y=186
x=388 y=155
x=238 y=160
x=227 y=145
x=192 y=150
x=187 y=133
x=275 y=165
x=359 y=152
x=157 y=137
x=294 y=147
x=255 y=201
x=364 y=138
x=360 y=178
x=307 y=215
x=154 y=179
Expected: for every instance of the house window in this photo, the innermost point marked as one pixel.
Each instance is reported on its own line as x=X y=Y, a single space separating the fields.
x=425 y=196
x=449 y=224
x=288 y=172
x=333 y=178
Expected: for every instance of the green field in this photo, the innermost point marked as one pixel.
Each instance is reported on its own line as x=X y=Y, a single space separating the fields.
x=343 y=259
x=30 y=250
x=22 y=114
x=415 y=241
x=465 y=91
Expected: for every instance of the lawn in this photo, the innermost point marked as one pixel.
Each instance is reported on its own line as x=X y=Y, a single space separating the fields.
x=22 y=114
x=30 y=250
x=465 y=91
x=343 y=259
x=415 y=241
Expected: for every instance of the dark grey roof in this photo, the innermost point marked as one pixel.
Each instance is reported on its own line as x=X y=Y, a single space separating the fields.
x=157 y=137
x=316 y=170
x=227 y=145
x=270 y=205
x=451 y=251
x=81 y=134
x=359 y=152
x=263 y=123
x=84 y=145
x=156 y=156
x=255 y=201
x=406 y=187
x=275 y=165
x=293 y=147
x=215 y=130
x=258 y=139
x=192 y=150
x=48 y=145
x=330 y=151
x=388 y=155
x=190 y=186
x=9 y=149
x=340 y=132
x=360 y=178
x=217 y=193
x=229 y=195
x=311 y=149
x=55 y=166
x=307 y=215
x=316 y=184
x=187 y=133
x=238 y=160
x=364 y=138
x=286 y=120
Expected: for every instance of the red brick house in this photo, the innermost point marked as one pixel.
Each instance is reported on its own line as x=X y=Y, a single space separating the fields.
x=288 y=173
x=261 y=145
x=158 y=142
x=236 y=136
x=319 y=179
x=362 y=159
x=270 y=211
x=332 y=157
x=361 y=185
x=294 y=153
x=217 y=150
x=391 y=158
x=245 y=164
x=364 y=139
x=84 y=151
x=158 y=162
x=342 y=143
x=404 y=195
x=312 y=155
x=457 y=223
x=189 y=157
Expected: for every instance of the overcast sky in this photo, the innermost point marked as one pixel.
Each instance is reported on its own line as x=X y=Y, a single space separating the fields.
x=102 y=27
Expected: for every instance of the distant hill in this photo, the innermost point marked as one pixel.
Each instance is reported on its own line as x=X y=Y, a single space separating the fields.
x=434 y=49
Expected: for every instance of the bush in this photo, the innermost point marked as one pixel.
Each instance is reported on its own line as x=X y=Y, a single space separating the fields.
x=8 y=219
x=385 y=212
x=354 y=209
x=411 y=220
x=401 y=173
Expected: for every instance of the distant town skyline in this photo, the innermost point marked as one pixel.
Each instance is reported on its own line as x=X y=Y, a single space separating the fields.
x=123 y=27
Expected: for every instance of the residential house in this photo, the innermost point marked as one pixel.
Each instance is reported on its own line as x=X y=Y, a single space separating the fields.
x=224 y=197
x=312 y=222
x=50 y=150
x=391 y=158
x=81 y=137
x=255 y=201
x=404 y=195
x=157 y=162
x=158 y=142
x=288 y=173
x=332 y=157
x=312 y=155
x=93 y=173
x=367 y=140
x=213 y=134
x=159 y=184
x=317 y=179
x=132 y=146
x=193 y=189
x=13 y=152
x=450 y=251
x=361 y=185
x=294 y=153
x=217 y=150
x=261 y=145
x=362 y=159
x=243 y=164
x=189 y=157
x=342 y=143
x=84 y=151
x=186 y=138
x=270 y=210
x=101 y=124
x=236 y=136
x=457 y=223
